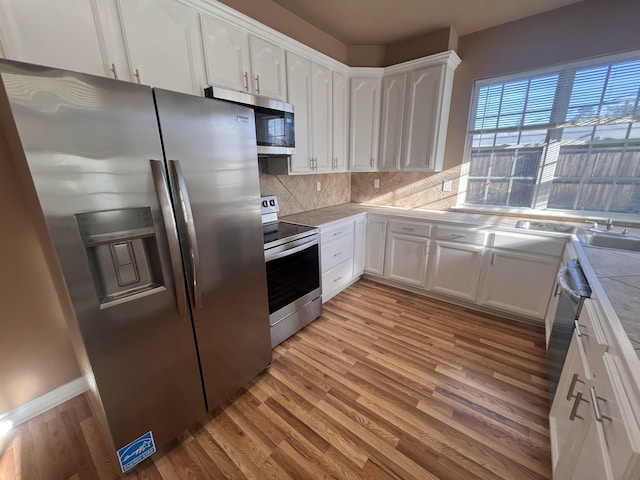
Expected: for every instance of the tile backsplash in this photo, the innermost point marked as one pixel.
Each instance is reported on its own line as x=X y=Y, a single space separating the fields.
x=406 y=189
x=299 y=193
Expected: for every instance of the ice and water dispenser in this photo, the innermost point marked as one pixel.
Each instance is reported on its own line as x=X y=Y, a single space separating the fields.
x=123 y=254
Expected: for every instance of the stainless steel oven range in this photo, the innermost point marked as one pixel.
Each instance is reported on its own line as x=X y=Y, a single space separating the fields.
x=292 y=256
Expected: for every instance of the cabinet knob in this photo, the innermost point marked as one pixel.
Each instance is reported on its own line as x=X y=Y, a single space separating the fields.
x=114 y=70
x=257 y=83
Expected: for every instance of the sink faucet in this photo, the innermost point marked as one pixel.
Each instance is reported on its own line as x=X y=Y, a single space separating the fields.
x=609 y=224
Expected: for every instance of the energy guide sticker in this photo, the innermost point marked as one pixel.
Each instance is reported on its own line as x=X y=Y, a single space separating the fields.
x=134 y=453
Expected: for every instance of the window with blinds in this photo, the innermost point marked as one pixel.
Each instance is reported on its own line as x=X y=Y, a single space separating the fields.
x=564 y=139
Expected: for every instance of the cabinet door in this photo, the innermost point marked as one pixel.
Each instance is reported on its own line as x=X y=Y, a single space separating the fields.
x=422 y=118
x=63 y=34
x=455 y=269
x=393 y=97
x=163 y=44
x=565 y=424
x=407 y=259
x=517 y=282
x=358 y=246
x=375 y=245
x=226 y=50
x=268 y=67
x=340 y=122
x=365 y=114
x=299 y=94
x=321 y=118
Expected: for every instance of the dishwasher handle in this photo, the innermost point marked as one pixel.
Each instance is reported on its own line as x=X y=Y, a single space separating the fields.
x=574 y=295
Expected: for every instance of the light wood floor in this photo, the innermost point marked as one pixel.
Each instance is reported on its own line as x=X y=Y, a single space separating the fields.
x=385 y=385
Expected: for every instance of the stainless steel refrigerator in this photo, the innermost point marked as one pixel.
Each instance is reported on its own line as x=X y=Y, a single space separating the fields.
x=152 y=203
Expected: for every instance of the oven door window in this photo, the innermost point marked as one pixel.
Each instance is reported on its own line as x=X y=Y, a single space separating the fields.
x=292 y=277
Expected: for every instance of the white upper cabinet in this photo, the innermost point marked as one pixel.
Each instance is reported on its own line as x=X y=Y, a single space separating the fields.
x=309 y=87
x=268 y=69
x=426 y=127
x=64 y=34
x=364 y=125
x=240 y=61
x=340 y=121
x=227 y=56
x=393 y=99
x=299 y=94
x=415 y=112
x=321 y=118
x=163 y=43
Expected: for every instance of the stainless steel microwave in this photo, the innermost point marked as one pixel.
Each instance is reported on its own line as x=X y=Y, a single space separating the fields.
x=275 y=126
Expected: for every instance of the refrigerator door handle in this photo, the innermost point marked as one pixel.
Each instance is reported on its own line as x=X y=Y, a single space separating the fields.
x=187 y=215
x=162 y=190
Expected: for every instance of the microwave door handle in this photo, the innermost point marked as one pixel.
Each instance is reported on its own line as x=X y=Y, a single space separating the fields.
x=564 y=286
x=187 y=215
x=162 y=191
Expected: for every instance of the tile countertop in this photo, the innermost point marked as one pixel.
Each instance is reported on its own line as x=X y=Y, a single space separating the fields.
x=616 y=271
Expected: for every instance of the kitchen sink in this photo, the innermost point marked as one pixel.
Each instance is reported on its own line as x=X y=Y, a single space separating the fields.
x=610 y=241
x=548 y=226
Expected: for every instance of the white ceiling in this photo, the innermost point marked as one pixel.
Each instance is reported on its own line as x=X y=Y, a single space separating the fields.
x=381 y=22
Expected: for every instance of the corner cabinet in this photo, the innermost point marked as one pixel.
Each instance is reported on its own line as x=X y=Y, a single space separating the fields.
x=376 y=234
x=340 y=124
x=415 y=113
x=364 y=120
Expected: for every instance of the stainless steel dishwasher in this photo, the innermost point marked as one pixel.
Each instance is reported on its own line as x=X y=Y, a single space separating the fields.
x=572 y=289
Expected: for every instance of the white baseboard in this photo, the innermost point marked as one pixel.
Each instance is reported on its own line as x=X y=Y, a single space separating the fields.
x=39 y=405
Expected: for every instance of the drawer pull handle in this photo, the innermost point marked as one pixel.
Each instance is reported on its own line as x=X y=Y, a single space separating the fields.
x=575 y=379
x=337 y=233
x=454 y=236
x=578 y=332
x=574 y=409
x=596 y=407
x=337 y=279
x=409 y=229
x=337 y=254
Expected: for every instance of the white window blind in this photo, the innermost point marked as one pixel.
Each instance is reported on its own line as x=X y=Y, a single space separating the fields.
x=566 y=139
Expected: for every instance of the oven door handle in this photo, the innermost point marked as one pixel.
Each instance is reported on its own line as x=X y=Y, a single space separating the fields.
x=573 y=295
x=290 y=251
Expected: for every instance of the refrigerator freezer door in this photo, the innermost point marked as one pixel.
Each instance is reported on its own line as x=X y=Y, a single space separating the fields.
x=215 y=145
x=88 y=142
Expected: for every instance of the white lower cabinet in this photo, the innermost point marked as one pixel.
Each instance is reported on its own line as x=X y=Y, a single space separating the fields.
x=341 y=254
x=375 y=245
x=455 y=269
x=407 y=250
x=518 y=273
x=593 y=425
x=455 y=261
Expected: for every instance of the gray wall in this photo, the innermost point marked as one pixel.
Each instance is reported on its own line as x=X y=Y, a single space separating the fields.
x=579 y=31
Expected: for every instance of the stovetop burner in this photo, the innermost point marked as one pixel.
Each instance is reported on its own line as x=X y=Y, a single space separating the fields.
x=277 y=232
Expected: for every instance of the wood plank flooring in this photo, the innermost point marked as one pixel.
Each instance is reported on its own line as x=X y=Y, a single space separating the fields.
x=385 y=385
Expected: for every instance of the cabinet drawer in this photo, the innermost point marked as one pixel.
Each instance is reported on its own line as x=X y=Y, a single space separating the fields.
x=337 y=278
x=462 y=235
x=529 y=243
x=328 y=234
x=410 y=228
x=336 y=252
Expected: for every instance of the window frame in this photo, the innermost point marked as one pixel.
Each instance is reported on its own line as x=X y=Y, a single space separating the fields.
x=550 y=147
